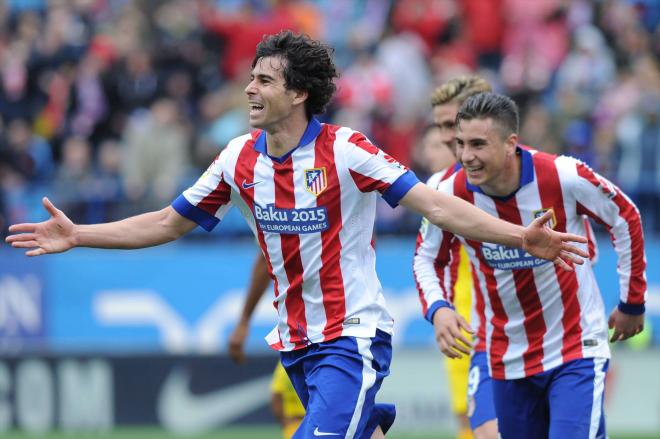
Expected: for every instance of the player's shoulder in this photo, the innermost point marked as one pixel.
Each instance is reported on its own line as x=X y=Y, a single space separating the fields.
x=237 y=143
x=545 y=160
x=235 y=146
x=346 y=137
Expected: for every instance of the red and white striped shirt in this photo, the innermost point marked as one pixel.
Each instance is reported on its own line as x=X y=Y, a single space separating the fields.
x=312 y=212
x=447 y=261
x=537 y=315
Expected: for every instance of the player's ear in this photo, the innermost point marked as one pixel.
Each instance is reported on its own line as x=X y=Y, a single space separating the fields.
x=511 y=143
x=300 y=96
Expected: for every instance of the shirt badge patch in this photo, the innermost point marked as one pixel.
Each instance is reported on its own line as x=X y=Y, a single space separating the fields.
x=553 y=221
x=316 y=180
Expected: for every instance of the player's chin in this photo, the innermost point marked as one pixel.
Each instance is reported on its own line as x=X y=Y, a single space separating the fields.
x=475 y=179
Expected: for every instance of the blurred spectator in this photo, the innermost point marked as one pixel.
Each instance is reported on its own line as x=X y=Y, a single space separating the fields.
x=578 y=139
x=586 y=72
x=403 y=57
x=224 y=116
x=90 y=104
x=156 y=151
x=72 y=183
x=106 y=193
x=29 y=157
x=638 y=138
x=484 y=29
x=242 y=31
x=426 y=18
x=535 y=42
x=364 y=92
x=17 y=99
x=353 y=23
x=537 y=129
x=136 y=82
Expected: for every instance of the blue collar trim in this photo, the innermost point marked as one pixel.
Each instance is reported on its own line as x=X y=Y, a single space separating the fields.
x=311 y=132
x=526 y=174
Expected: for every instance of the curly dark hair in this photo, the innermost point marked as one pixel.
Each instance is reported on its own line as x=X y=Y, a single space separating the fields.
x=308 y=66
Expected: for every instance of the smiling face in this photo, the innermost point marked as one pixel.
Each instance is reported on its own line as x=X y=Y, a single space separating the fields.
x=486 y=153
x=271 y=103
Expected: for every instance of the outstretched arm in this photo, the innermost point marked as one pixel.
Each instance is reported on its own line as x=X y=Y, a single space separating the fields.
x=461 y=218
x=59 y=233
x=259 y=281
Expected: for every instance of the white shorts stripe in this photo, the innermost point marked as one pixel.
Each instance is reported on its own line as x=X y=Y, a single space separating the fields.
x=368 y=381
x=599 y=394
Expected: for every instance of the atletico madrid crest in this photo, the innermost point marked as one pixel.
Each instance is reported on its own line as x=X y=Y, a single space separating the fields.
x=553 y=221
x=316 y=180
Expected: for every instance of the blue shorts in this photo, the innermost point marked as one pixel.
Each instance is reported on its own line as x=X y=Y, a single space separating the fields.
x=562 y=403
x=480 y=406
x=337 y=382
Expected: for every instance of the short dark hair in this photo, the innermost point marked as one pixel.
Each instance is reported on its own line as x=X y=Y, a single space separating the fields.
x=498 y=107
x=308 y=67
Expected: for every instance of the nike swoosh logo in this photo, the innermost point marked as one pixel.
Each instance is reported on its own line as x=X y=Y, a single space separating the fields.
x=321 y=433
x=247 y=185
x=181 y=411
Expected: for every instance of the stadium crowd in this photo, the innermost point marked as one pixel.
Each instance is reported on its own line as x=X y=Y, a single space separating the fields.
x=114 y=106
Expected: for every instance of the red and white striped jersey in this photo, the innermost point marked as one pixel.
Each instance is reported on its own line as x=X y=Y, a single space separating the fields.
x=538 y=316
x=312 y=212
x=447 y=260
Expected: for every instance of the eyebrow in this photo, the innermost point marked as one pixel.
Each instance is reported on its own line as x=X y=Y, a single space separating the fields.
x=262 y=76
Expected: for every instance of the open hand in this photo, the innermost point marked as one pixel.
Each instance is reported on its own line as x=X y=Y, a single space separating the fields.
x=55 y=235
x=545 y=243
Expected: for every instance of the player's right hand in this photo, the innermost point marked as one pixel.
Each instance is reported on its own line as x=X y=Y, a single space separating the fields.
x=237 y=341
x=448 y=326
x=55 y=235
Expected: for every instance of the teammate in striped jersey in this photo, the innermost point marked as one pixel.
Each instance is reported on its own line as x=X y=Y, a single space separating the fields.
x=308 y=191
x=453 y=269
x=546 y=332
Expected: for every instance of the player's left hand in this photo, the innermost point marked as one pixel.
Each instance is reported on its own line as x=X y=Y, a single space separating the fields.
x=625 y=325
x=543 y=242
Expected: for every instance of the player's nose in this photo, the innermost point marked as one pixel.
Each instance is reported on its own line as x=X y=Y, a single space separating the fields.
x=250 y=89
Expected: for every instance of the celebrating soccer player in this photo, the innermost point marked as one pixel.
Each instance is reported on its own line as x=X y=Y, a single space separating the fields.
x=308 y=191
x=546 y=332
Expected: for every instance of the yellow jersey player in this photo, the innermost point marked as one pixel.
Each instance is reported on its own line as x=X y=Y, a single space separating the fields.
x=285 y=403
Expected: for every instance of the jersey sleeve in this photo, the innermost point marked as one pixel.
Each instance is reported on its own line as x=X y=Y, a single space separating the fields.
x=435 y=252
x=601 y=200
x=208 y=200
x=373 y=170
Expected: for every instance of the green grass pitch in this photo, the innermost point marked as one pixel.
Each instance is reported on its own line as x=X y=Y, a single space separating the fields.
x=233 y=433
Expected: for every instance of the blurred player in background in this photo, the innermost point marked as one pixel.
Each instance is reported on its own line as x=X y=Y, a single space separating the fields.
x=474 y=412
x=308 y=191
x=284 y=403
x=546 y=332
